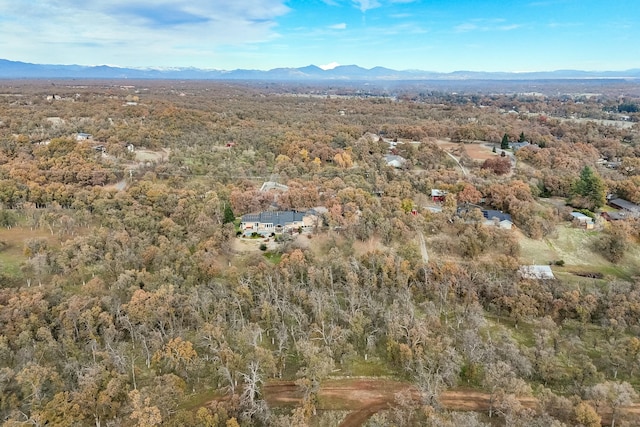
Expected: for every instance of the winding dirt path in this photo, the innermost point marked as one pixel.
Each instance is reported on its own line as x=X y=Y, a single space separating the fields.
x=366 y=396
x=423 y=248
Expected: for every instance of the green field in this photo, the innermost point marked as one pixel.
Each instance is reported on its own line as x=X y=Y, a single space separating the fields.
x=574 y=246
x=12 y=244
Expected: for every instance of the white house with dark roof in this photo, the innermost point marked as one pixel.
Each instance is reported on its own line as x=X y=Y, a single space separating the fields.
x=497 y=218
x=277 y=222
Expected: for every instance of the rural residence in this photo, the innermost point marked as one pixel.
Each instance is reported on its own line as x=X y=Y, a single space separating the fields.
x=438 y=195
x=497 y=218
x=626 y=207
x=278 y=222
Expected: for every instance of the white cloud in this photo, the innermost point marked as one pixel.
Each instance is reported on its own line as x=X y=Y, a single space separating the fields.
x=340 y=26
x=485 y=25
x=365 y=5
x=329 y=66
x=466 y=27
x=133 y=32
x=509 y=27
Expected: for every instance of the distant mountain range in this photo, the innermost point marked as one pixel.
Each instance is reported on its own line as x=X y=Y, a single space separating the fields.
x=23 y=70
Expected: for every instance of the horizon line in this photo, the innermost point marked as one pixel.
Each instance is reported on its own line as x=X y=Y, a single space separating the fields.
x=321 y=68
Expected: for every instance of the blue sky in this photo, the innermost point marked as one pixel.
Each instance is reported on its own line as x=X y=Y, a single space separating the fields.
x=434 y=35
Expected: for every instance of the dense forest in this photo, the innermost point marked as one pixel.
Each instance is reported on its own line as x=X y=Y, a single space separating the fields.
x=129 y=295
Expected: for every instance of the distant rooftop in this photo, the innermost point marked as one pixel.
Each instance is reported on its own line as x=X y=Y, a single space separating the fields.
x=536 y=272
x=625 y=204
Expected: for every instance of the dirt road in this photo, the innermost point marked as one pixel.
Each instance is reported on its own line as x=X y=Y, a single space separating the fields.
x=423 y=248
x=366 y=396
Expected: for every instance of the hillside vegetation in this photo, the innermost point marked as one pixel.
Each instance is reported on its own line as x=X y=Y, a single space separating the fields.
x=130 y=296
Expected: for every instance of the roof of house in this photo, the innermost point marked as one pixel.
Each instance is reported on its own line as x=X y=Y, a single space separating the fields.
x=625 y=204
x=275 y=218
x=491 y=214
x=615 y=216
x=518 y=145
x=438 y=193
x=581 y=217
x=538 y=272
x=394 y=160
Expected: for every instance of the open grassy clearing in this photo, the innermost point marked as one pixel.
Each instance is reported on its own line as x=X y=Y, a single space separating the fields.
x=12 y=243
x=575 y=247
x=478 y=151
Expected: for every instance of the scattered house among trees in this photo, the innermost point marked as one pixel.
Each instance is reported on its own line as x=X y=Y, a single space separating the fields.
x=394 y=160
x=493 y=214
x=497 y=218
x=536 y=272
x=611 y=163
x=278 y=222
x=438 y=195
x=583 y=220
x=615 y=164
x=83 y=136
x=628 y=208
x=614 y=216
x=130 y=148
x=515 y=146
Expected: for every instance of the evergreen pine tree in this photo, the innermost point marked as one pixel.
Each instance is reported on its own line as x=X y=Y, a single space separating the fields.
x=592 y=187
x=522 y=138
x=229 y=216
x=505 y=142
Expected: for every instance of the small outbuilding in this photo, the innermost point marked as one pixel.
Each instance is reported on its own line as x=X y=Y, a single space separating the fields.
x=536 y=272
x=395 y=161
x=438 y=195
x=582 y=220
